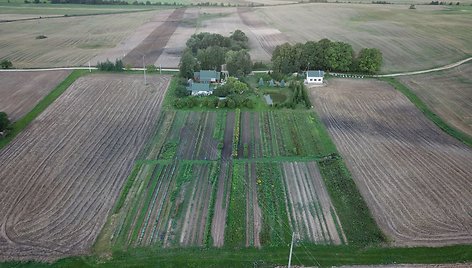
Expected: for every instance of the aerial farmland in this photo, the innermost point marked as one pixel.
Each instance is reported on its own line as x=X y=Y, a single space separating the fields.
x=189 y=134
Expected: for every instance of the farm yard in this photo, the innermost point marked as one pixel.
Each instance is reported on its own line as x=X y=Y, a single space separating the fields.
x=415 y=178
x=22 y=91
x=61 y=176
x=447 y=93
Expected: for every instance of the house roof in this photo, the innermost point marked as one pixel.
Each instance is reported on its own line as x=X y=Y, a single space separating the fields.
x=200 y=87
x=316 y=73
x=207 y=75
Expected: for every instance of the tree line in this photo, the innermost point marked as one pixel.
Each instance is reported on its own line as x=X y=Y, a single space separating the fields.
x=325 y=55
x=209 y=51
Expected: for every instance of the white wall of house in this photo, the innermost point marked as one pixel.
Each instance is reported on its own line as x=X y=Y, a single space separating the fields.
x=314 y=80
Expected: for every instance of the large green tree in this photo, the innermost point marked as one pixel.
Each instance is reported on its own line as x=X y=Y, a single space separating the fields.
x=211 y=58
x=369 y=60
x=188 y=64
x=238 y=63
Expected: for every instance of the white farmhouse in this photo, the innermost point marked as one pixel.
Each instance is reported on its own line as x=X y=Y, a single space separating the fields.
x=314 y=77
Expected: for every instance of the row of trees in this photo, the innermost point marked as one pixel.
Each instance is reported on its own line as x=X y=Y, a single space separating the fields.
x=208 y=51
x=325 y=55
x=109 y=66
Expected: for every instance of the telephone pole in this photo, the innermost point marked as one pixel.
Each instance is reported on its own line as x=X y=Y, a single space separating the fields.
x=291 y=250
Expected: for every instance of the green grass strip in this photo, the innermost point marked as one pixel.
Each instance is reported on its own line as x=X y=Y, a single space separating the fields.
x=309 y=255
x=459 y=135
x=22 y=123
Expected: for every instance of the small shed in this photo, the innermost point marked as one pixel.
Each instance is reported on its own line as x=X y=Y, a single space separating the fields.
x=200 y=89
x=314 y=77
x=207 y=76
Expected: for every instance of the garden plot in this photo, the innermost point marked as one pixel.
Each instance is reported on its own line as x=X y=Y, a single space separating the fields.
x=313 y=216
x=60 y=176
x=21 y=91
x=168 y=205
x=415 y=178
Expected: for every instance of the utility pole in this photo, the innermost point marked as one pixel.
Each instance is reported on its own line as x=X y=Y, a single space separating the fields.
x=144 y=69
x=291 y=250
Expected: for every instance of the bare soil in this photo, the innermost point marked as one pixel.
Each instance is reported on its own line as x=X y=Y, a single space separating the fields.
x=416 y=179
x=61 y=176
x=447 y=93
x=154 y=44
x=21 y=91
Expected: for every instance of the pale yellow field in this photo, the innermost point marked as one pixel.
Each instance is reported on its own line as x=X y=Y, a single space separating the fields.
x=70 y=41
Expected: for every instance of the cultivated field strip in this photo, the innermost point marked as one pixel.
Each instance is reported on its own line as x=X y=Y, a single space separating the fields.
x=313 y=216
x=186 y=135
x=267 y=134
x=153 y=45
x=168 y=205
x=21 y=91
x=208 y=179
x=416 y=179
x=61 y=176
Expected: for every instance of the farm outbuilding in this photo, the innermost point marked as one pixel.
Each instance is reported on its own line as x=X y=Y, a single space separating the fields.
x=314 y=77
x=207 y=76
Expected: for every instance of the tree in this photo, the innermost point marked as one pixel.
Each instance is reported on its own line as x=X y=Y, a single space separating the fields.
x=4 y=122
x=238 y=63
x=187 y=65
x=6 y=64
x=282 y=83
x=211 y=58
x=369 y=60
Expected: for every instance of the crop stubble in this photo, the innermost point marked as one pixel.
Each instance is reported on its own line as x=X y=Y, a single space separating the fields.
x=62 y=175
x=415 y=178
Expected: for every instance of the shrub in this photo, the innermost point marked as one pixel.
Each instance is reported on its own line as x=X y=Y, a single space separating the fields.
x=6 y=64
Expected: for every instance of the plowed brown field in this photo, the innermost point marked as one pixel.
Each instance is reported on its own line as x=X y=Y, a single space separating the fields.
x=416 y=179
x=21 y=91
x=60 y=177
x=448 y=93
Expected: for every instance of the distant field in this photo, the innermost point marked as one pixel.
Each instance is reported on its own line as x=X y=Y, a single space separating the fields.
x=61 y=176
x=62 y=9
x=22 y=91
x=70 y=41
x=447 y=93
x=416 y=179
x=409 y=39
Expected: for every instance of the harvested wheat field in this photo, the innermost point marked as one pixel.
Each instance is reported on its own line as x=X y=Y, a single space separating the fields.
x=61 y=176
x=447 y=93
x=416 y=179
x=426 y=37
x=76 y=40
x=21 y=91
